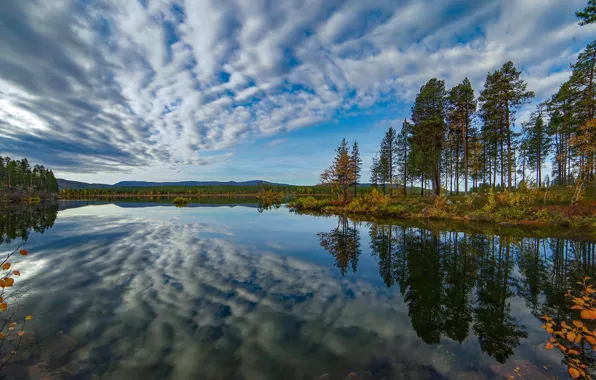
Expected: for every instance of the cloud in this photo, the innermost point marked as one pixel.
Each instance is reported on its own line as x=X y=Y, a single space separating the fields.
x=109 y=85
x=275 y=142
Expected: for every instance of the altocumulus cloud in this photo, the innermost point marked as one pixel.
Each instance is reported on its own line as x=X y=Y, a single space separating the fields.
x=110 y=85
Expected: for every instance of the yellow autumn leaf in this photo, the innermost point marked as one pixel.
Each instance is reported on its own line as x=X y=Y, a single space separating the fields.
x=591 y=340
x=578 y=323
x=5 y=266
x=23 y=252
x=11 y=328
x=549 y=346
x=577 y=307
x=3 y=306
x=8 y=282
x=574 y=373
x=571 y=336
x=28 y=318
x=573 y=352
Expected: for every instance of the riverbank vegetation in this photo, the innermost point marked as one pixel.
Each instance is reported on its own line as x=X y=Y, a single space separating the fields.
x=19 y=181
x=468 y=161
x=181 y=201
x=192 y=191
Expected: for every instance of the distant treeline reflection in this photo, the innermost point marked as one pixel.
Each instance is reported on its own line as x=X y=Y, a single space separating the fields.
x=455 y=283
x=17 y=221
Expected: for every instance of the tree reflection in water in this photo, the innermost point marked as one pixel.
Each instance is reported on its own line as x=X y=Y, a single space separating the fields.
x=455 y=283
x=17 y=221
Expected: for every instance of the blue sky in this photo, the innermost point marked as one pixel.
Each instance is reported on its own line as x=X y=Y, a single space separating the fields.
x=166 y=90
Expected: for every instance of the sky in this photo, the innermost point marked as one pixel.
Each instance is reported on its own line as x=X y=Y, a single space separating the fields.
x=166 y=90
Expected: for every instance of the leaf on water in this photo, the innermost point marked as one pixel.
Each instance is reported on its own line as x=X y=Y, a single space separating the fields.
x=28 y=318
x=16 y=272
x=23 y=252
x=11 y=328
x=13 y=324
x=574 y=373
x=5 y=266
x=2 y=335
x=3 y=306
x=549 y=346
x=8 y=282
x=20 y=333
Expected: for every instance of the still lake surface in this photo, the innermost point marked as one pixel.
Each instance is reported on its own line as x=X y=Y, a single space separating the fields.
x=151 y=291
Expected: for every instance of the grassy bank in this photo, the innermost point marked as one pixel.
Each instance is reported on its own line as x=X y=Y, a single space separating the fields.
x=536 y=207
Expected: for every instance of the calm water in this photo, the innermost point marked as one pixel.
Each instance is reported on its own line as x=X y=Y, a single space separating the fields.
x=151 y=291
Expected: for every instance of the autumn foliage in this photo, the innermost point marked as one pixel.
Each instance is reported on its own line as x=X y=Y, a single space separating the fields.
x=574 y=339
x=10 y=331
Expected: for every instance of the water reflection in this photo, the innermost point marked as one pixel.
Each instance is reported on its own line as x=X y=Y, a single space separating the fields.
x=343 y=242
x=228 y=293
x=455 y=283
x=17 y=221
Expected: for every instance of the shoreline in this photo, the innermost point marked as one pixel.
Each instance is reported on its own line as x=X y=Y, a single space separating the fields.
x=523 y=228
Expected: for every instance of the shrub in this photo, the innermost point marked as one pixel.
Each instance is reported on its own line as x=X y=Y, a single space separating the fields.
x=372 y=201
x=179 y=201
x=469 y=199
x=308 y=203
x=572 y=338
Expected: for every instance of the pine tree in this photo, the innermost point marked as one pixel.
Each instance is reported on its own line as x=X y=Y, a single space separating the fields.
x=374 y=172
x=584 y=86
x=340 y=175
x=538 y=142
x=356 y=163
x=403 y=152
x=388 y=155
x=588 y=15
x=461 y=108
x=428 y=136
x=504 y=92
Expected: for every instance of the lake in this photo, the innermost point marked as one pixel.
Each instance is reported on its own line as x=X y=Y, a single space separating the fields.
x=135 y=290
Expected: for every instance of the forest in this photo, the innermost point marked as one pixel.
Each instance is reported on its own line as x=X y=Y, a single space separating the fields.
x=472 y=159
x=455 y=142
x=18 y=179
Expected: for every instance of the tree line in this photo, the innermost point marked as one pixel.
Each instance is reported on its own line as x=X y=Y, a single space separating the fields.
x=18 y=174
x=456 y=141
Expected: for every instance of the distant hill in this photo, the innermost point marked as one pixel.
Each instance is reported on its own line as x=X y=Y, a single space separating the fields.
x=66 y=184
